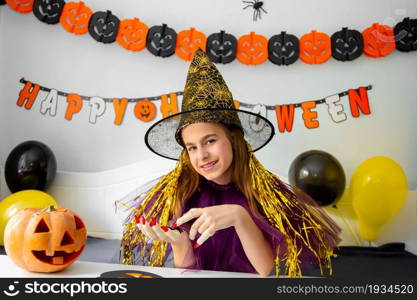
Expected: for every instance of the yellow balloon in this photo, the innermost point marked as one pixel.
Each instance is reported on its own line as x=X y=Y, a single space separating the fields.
x=379 y=189
x=20 y=200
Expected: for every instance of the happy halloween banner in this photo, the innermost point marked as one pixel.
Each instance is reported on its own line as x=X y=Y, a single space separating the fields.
x=145 y=109
x=314 y=47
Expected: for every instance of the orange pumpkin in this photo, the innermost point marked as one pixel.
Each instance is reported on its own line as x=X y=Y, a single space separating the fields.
x=145 y=110
x=315 y=47
x=75 y=17
x=22 y=6
x=378 y=40
x=132 y=34
x=252 y=49
x=44 y=240
x=188 y=41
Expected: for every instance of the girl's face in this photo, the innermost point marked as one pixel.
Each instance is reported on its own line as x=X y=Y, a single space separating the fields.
x=210 y=151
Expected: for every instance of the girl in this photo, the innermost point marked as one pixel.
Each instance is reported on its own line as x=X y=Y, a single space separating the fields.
x=230 y=213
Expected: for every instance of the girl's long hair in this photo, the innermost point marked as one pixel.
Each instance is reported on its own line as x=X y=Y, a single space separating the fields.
x=241 y=178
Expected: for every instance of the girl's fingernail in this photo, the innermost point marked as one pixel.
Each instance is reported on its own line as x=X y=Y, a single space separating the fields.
x=153 y=221
x=196 y=245
x=137 y=219
x=143 y=220
x=174 y=226
x=164 y=228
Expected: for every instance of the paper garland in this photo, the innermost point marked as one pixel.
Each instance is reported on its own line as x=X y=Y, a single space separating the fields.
x=250 y=49
x=145 y=109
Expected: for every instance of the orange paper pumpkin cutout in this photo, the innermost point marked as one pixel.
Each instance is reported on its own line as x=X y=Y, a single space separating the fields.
x=44 y=240
x=22 y=6
x=378 y=40
x=145 y=110
x=132 y=34
x=75 y=17
x=188 y=41
x=315 y=47
x=252 y=49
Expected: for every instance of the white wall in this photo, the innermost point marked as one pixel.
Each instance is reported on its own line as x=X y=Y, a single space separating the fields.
x=52 y=57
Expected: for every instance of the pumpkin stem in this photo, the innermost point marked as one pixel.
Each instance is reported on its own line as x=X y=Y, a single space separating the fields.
x=50 y=208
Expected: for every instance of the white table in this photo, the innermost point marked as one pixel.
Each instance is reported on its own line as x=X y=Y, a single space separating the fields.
x=93 y=269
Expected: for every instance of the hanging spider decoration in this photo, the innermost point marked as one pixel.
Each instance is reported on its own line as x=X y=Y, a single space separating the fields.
x=257 y=8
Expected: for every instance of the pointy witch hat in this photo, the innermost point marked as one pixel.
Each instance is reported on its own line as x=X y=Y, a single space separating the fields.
x=206 y=99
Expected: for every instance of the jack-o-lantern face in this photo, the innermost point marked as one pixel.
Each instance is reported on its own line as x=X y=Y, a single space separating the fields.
x=161 y=40
x=283 y=49
x=221 y=47
x=315 y=47
x=48 y=11
x=103 y=26
x=47 y=240
x=252 y=49
x=406 y=35
x=75 y=17
x=378 y=40
x=22 y=6
x=145 y=110
x=347 y=44
x=188 y=41
x=132 y=34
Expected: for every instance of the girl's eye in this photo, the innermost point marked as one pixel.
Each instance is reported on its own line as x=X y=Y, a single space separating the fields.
x=191 y=148
x=210 y=141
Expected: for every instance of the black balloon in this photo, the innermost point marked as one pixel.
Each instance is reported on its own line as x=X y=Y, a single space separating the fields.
x=347 y=44
x=30 y=165
x=161 y=40
x=221 y=47
x=283 y=49
x=406 y=35
x=103 y=26
x=48 y=11
x=319 y=174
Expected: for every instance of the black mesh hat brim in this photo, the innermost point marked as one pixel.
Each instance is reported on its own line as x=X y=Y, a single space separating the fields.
x=160 y=137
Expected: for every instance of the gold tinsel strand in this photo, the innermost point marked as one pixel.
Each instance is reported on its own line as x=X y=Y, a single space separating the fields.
x=277 y=211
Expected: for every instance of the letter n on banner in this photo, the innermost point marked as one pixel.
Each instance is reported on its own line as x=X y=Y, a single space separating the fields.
x=357 y=101
x=285 y=116
x=28 y=94
x=169 y=108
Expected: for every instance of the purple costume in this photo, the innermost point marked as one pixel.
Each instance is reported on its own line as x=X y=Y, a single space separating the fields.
x=223 y=251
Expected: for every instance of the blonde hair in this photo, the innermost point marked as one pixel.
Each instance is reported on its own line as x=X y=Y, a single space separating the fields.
x=190 y=179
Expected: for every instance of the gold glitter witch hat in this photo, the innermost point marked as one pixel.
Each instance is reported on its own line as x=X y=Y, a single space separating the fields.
x=206 y=99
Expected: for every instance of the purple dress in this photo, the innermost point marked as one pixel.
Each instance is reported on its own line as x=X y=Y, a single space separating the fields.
x=224 y=251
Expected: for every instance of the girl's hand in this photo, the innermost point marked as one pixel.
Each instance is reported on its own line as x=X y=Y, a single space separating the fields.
x=211 y=219
x=157 y=232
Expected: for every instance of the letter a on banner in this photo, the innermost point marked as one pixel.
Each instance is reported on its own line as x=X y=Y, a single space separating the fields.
x=50 y=103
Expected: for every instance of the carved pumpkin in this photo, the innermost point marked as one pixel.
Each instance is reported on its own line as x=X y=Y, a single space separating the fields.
x=406 y=35
x=75 y=17
x=103 y=26
x=252 y=49
x=161 y=40
x=283 y=49
x=221 y=47
x=132 y=34
x=22 y=6
x=188 y=41
x=44 y=240
x=315 y=47
x=347 y=44
x=378 y=40
x=48 y=11
x=145 y=110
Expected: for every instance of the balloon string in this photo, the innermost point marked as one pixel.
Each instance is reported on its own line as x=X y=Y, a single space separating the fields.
x=358 y=242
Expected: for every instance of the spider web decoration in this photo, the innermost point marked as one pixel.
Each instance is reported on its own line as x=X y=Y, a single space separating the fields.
x=257 y=8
